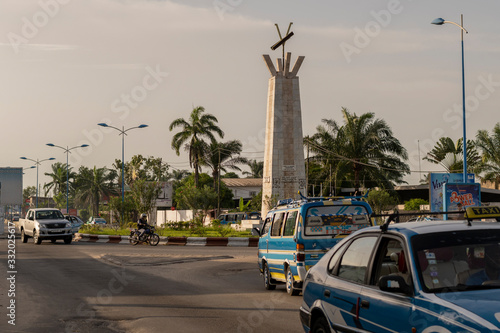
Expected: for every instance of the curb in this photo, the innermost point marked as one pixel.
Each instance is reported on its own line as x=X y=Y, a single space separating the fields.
x=174 y=241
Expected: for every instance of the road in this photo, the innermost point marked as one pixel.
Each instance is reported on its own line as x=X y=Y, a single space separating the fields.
x=90 y=287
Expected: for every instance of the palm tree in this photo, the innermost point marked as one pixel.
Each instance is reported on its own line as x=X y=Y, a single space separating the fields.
x=490 y=146
x=177 y=175
x=193 y=131
x=256 y=169
x=450 y=154
x=58 y=176
x=221 y=156
x=362 y=150
x=93 y=184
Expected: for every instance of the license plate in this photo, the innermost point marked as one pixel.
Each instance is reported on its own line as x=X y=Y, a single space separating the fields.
x=56 y=231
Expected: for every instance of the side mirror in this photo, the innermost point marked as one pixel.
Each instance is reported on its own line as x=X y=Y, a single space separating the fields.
x=30 y=218
x=255 y=232
x=394 y=284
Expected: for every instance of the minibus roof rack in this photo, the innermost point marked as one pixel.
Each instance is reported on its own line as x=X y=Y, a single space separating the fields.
x=357 y=197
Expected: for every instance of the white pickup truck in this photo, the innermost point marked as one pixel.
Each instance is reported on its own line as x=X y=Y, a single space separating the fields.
x=45 y=223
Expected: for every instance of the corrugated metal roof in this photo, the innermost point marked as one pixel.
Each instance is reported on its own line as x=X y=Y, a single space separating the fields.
x=242 y=182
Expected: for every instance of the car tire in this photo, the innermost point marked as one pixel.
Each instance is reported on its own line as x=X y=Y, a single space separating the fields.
x=24 y=237
x=320 y=325
x=154 y=239
x=68 y=240
x=36 y=238
x=267 y=278
x=289 y=283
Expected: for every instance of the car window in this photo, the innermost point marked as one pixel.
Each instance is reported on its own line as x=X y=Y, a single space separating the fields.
x=354 y=262
x=266 y=227
x=290 y=224
x=391 y=259
x=277 y=224
x=461 y=260
x=334 y=260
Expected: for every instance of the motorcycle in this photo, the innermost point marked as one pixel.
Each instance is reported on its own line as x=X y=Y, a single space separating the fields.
x=148 y=237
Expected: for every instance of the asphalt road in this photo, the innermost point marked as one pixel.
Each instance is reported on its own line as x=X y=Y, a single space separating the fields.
x=88 y=287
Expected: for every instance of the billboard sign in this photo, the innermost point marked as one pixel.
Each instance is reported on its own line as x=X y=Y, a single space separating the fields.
x=11 y=182
x=436 y=187
x=165 y=197
x=458 y=196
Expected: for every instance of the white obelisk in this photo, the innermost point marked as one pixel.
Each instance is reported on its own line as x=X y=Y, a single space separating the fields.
x=284 y=165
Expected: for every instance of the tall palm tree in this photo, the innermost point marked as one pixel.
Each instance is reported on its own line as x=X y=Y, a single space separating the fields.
x=93 y=184
x=198 y=127
x=362 y=150
x=490 y=146
x=58 y=176
x=256 y=169
x=450 y=155
x=221 y=156
x=178 y=175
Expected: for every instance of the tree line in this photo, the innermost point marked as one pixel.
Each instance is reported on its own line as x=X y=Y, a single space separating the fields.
x=360 y=152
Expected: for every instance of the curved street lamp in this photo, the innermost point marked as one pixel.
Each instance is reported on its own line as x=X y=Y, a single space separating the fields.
x=440 y=21
x=67 y=169
x=37 y=163
x=123 y=132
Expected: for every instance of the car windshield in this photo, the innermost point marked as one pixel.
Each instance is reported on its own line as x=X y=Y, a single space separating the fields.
x=453 y=261
x=49 y=215
x=334 y=220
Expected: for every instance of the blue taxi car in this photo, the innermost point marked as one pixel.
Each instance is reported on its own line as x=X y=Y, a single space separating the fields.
x=296 y=234
x=419 y=277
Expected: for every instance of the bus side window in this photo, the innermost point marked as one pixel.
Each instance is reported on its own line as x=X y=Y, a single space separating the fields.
x=290 y=224
x=277 y=224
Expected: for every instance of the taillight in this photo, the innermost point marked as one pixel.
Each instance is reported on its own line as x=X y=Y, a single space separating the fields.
x=301 y=256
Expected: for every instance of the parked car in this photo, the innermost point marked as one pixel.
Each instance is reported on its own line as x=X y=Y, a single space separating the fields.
x=423 y=218
x=232 y=218
x=296 y=234
x=429 y=276
x=97 y=220
x=76 y=223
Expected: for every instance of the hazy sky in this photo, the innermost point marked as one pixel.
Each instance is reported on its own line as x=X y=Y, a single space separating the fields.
x=67 y=65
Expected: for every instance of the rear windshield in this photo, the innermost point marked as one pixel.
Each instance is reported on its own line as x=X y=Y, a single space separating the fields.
x=335 y=220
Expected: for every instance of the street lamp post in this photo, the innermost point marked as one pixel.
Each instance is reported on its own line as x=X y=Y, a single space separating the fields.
x=123 y=132
x=37 y=162
x=67 y=168
x=440 y=21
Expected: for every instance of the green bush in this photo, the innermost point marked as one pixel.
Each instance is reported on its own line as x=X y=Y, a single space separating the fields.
x=414 y=204
x=195 y=231
x=181 y=225
x=223 y=231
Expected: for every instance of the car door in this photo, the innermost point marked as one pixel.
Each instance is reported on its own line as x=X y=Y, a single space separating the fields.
x=347 y=274
x=276 y=252
x=384 y=311
x=28 y=225
x=264 y=240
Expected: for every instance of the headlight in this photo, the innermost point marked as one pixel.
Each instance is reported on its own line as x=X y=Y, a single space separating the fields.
x=43 y=226
x=68 y=225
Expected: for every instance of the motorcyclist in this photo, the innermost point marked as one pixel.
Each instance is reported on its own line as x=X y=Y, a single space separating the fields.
x=142 y=225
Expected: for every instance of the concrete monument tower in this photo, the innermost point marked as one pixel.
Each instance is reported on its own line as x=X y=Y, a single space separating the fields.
x=284 y=168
